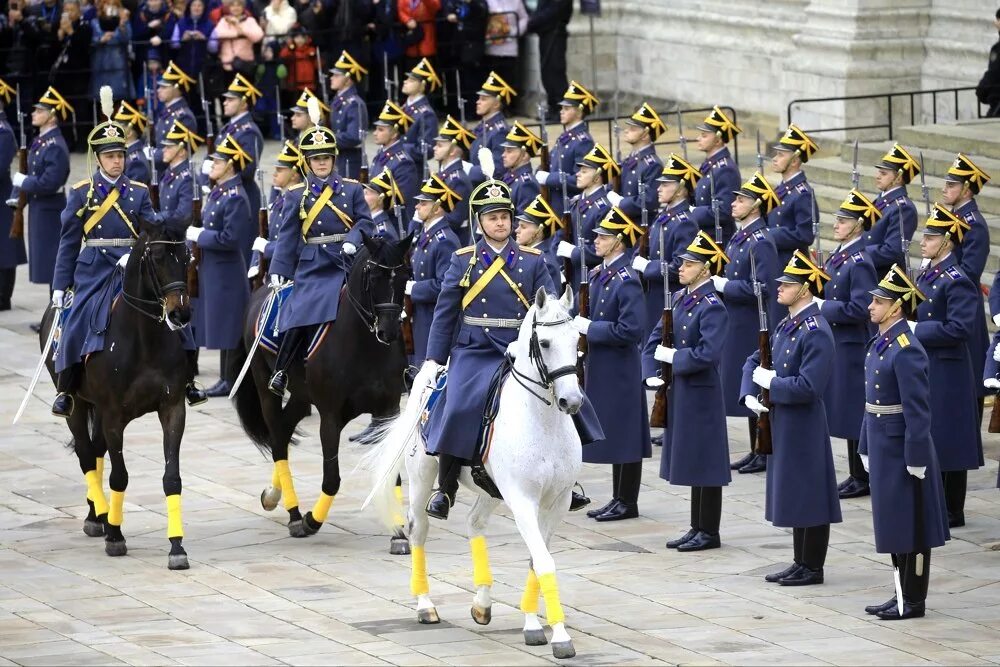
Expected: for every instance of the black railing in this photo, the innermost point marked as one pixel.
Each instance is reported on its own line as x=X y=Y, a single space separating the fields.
x=889 y=123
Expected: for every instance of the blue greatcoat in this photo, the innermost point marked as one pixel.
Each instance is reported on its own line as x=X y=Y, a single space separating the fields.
x=679 y=231
x=852 y=276
x=348 y=120
x=801 y=480
x=248 y=135
x=432 y=252
x=176 y=192
x=552 y=262
x=971 y=256
x=11 y=250
x=613 y=368
x=48 y=169
x=90 y=270
x=885 y=246
x=476 y=351
x=424 y=126
x=222 y=273
x=792 y=221
x=741 y=304
x=490 y=132
x=395 y=158
x=896 y=373
x=455 y=178
x=945 y=323
x=177 y=109
x=523 y=187
x=569 y=149
x=136 y=164
x=275 y=211
x=696 y=443
x=587 y=211
x=727 y=181
x=382 y=224
x=641 y=165
x=318 y=268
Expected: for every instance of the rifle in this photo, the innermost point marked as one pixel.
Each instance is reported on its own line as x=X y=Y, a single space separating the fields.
x=263 y=231
x=459 y=96
x=763 y=446
x=760 y=157
x=644 y=239
x=17 y=227
x=192 y=268
x=995 y=415
x=424 y=157
x=616 y=181
x=545 y=162
x=207 y=110
x=322 y=78
x=659 y=417
x=681 y=139
x=279 y=116
x=715 y=206
x=567 y=228
x=855 y=176
x=406 y=325
x=386 y=81
x=154 y=183
x=363 y=172
x=583 y=300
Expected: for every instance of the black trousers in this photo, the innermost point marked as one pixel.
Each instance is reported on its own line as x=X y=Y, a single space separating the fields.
x=625 y=479
x=854 y=465
x=553 y=64
x=706 y=508
x=68 y=381
x=914 y=583
x=449 y=469
x=7 y=278
x=752 y=427
x=293 y=346
x=810 y=545
x=955 y=483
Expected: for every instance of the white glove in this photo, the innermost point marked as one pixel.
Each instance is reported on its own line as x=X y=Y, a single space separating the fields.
x=427 y=376
x=720 y=283
x=403 y=315
x=57 y=298
x=467 y=167
x=917 y=471
x=582 y=324
x=124 y=260
x=12 y=202
x=753 y=404
x=349 y=248
x=819 y=302
x=924 y=263
x=512 y=349
x=408 y=290
x=205 y=190
x=565 y=250
x=991 y=383
x=912 y=325
x=654 y=382
x=614 y=198
x=664 y=354
x=253 y=271
x=763 y=377
x=541 y=177
x=996 y=318
x=639 y=263
x=148 y=152
x=193 y=233
x=206 y=167
x=259 y=244
x=18 y=179
x=996 y=353
x=864 y=461
x=277 y=281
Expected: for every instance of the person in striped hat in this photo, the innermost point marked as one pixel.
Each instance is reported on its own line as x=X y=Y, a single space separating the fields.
x=390 y=126
x=289 y=170
x=537 y=227
x=519 y=146
x=642 y=164
x=419 y=82
x=137 y=167
x=719 y=169
x=574 y=142
x=792 y=222
x=451 y=147
x=348 y=114
x=493 y=97
x=171 y=90
x=385 y=201
x=300 y=112
x=888 y=242
x=12 y=252
x=237 y=104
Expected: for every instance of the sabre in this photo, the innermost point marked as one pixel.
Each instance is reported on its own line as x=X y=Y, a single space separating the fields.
x=253 y=348
x=41 y=364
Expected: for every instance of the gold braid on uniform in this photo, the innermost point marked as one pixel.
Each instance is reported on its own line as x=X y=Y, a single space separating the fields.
x=466 y=278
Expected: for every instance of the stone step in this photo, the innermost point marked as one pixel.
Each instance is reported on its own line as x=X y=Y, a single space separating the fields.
x=936 y=162
x=975 y=138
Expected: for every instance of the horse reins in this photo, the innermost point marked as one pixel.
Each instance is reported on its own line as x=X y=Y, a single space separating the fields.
x=547 y=378
x=369 y=315
x=141 y=305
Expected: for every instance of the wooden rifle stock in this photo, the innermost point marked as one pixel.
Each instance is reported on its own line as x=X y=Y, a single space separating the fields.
x=545 y=165
x=763 y=446
x=995 y=415
x=363 y=174
x=658 y=418
x=583 y=300
x=154 y=195
x=17 y=227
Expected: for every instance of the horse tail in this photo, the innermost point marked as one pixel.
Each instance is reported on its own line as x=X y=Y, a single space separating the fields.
x=249 y=409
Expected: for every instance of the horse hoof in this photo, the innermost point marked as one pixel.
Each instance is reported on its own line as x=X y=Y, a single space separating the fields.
x=399 y=546
x=296 y=529
x=428 y=616
x=178 y=562
x=310 y=525
x=116 y=548
x=269 y=498
x=93 y=528
x=535 y=637
x=482 y=615
x=563 y=650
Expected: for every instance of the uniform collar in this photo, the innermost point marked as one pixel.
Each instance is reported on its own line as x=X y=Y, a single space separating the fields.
x=791 y=323
x=968 y=207
x=487 y=255
x=448 y=165
x=891 y=192
x=692 y=297
x=239 y=117
x=680 y=207
x=885 y=339
x=795 y=180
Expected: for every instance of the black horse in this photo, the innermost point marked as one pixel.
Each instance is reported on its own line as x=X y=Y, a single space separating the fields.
x=142 y=369
x=357 y=368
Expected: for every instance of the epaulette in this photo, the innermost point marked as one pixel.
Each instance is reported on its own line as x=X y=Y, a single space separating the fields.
x=440 y=236
x=902 y=340
x=953 y=273
x=649 y=158
x=80 y=184
x=345 y=179
x=759 y=235
x=138 y=184
x=811 y=323
x=527 y=249
x=466 y=250
x=624 y=274
x=721 y=162
x=858 y=257
x=802 y=187
x=712 y=299
x=297 y=186
x=602 y=203
x=902 y=200
x=970 y=218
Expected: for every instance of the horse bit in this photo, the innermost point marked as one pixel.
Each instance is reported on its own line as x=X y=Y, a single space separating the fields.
x=547 y=378
x=369 y=316
x=159 y=291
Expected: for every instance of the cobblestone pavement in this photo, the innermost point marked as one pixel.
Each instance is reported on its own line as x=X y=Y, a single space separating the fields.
x=254 y=595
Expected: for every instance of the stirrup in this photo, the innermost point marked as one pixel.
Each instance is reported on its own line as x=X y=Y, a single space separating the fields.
x=65 y=414
x=278 y=383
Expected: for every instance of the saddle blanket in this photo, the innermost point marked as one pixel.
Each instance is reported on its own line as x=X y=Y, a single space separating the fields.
x=270 y=318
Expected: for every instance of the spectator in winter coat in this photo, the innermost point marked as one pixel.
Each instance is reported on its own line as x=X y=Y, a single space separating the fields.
x=414 y=13
x=278 y=19
x=109 y=56
x=508 y=22
x=190 y=37
x=234 y=37
x=988 y=90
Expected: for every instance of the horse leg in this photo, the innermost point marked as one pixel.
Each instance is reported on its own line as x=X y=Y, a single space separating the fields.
x=527 y=519
x=482 y=575
x=399 y=545
x=114 y=541
x=172 y=420
x=421 y=470
x=534 y=634
x=92 y=468
x=281 y=428
x=329 y=435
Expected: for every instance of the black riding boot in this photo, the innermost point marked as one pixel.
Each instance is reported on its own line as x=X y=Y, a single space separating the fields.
x=194 y=395
x=7 y=278
x=66 y=385
x=442 y=500
x=291 y=345
x=915 y=571
x=955 y=483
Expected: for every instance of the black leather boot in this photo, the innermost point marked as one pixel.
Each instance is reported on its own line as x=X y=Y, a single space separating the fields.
x=288 y=352
x=194 y=395
x=443 y=498
x=63 y=406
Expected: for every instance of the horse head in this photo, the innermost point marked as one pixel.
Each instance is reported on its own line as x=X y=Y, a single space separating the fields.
x=157 y=274
x=384 y=270
x=552 y=343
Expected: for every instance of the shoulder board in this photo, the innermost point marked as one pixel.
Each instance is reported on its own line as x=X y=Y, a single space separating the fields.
x=721 y=162
x=758 y=235
x=80 y=184
x=902 y=340
x=139 y=185
x=953 y=273
x=603 y=203
x=712 y=298
x=858 y=257
x=649 y=158
x=297 y=186
x=524 y=248
x=811 y=323
x=624 y=274
x=970 y=218
x=802 y=187
x=440 y=236
x=345 y=179
x=466 y=250
x=902 y=200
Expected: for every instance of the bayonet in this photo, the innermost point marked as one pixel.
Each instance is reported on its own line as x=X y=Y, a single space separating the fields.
x=715 y=206
x=855 y=176
x=681 y=139
x=321 y=75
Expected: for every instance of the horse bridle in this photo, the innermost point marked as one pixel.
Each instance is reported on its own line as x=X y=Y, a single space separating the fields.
x=160 y=292
x=547 y=378
x=369 y=315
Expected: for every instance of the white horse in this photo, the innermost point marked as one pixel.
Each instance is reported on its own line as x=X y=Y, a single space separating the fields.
x=534 y=458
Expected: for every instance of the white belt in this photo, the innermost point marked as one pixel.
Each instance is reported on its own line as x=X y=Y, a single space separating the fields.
x=109 y=243
x=498 y=322
x=326 y=238
x=884 y=409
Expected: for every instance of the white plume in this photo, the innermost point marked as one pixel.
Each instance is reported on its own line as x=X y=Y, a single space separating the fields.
x=107 y=101
x=313 y=106
x=486 y=161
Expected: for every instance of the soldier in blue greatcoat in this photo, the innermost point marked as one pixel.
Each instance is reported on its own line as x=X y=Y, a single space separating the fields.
x=348 y=115
x=12 y=253
x=103 y=213
x=751 y=205
x=538 y=227
x=432 y=249
x=300 y=120
x=493 y=96
x=792 y=222
x=944 y=325
x=45 y=182
x=888 y=242
x=137 y=166
x=171 y=89
x=720 y=171
x=642 y=129
x=613 y=370
x=237 y=103
x=695 y=442
x=391 y=124
x=419 y=138
x=385 y=201
x=315 y=224
x=289 y=171
x=845 y=307
x=225 y=238
x=519 y=146
x=908 y=507
x=570 y=147
x=801 y=490
x=451 y=146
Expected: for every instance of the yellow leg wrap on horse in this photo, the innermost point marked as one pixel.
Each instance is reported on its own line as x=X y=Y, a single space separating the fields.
x=175 y=527
x=100 y=476
x=95 y=493
x=529 y=599
x=418 y=571
x=115 y=511
x=550 y=591
x=322 y=507
x=275 y=477
x=397 y=515
x=285 y=484
x=481 y=573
